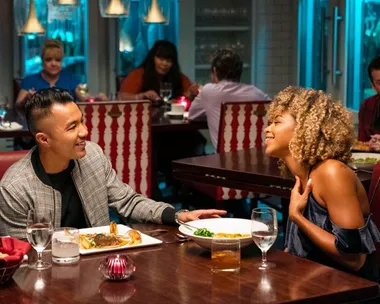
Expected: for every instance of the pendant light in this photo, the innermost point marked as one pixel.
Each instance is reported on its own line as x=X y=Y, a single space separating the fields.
x=67 y=2
x=114 y=8
x=32 y=25
x=154 y=14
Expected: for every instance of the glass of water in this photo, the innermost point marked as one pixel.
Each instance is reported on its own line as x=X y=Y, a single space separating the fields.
x=264 y=232
x=165 y=91
x=65 y=245
x=39 y=228
x=3 y=112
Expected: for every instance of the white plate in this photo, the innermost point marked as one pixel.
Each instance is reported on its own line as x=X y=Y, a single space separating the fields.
x=217 y=225
x=365 y=166
x=122 y=229
x=13 y=126
x=174 y=114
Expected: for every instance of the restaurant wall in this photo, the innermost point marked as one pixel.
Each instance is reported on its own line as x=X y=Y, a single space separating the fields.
x=6 y=50
x=276 y=44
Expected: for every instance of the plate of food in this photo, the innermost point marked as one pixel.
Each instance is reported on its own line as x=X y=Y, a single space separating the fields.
x=221 y=228
x=365 y=161
x=112 y=237
x=361 y=146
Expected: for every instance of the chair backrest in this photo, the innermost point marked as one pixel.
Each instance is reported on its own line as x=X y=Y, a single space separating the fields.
x=123 y=130
x=242 y=125
x=7 y=159
x=374 y=199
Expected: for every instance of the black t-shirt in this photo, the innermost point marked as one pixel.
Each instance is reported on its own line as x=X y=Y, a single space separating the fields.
x=72 y=213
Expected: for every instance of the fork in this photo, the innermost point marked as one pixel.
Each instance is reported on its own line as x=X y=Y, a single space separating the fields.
x=186 y=225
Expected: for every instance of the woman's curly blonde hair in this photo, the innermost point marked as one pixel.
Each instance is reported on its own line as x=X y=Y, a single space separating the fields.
x=324 y=129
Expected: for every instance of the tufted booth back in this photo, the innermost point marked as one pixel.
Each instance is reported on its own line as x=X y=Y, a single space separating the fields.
x=123 y=130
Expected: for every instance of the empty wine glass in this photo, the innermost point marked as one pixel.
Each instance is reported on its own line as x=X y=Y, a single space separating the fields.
x=39 y=229
x=264 y=232
x=165 y=91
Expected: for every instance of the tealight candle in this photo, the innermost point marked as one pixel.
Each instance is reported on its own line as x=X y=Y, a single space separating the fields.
x=117 y=267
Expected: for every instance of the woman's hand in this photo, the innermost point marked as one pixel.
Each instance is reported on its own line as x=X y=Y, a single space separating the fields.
x=31 y=92
x=101 y=96
x=192 y=92
x=298 y=200
x=151 y=95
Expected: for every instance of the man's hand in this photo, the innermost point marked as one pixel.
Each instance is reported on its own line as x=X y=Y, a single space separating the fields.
x=200 y=214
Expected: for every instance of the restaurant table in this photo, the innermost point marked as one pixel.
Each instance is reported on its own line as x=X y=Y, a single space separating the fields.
x=160 y=123
x=249 y=169
x=180 y=273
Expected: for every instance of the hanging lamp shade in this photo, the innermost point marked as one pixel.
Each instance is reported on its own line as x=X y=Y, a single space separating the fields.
x=30 y=17
x=114 y=8
x=66 y=2
x=154 y=14
x=156 y=11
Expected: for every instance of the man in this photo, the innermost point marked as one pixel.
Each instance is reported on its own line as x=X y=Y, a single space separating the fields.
x=369 y=113
x=226 y=70
x=70 y=177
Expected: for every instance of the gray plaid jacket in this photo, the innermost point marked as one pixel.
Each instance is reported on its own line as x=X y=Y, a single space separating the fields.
x=97 y=186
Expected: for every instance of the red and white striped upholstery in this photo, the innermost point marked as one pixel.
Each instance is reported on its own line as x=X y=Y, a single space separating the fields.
x=123 y=130
x=241 y=127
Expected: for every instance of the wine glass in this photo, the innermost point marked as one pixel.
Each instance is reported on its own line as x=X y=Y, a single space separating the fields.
x=39 y=229
x=166 y=91
x=3 y=112
x=264 y=232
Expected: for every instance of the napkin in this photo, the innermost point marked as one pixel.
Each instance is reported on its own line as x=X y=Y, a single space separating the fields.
x=15 y=249
x=10 y=126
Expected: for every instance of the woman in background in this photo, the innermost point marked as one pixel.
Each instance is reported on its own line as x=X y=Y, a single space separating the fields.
x=51 y=75
x=329 y=215
x=160 y=65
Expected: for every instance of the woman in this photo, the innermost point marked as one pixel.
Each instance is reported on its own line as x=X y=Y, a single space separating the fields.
x=330 y=220
x=51 y=75
x=160 y=65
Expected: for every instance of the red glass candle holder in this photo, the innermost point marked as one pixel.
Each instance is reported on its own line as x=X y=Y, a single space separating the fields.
x=117 y=267
x=185 y=102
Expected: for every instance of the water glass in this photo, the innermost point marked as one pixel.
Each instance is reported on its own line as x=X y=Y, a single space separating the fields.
x=39 y=228
x=3 y=112
x=264 y=232
x=225 y=255
x=165 y=91
x=65 y=245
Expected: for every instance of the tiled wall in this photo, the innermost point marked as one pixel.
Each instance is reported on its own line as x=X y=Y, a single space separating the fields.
x=276 y=44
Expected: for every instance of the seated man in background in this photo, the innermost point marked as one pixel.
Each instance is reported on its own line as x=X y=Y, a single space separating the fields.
x=226 y=70
x=70 y=177
x=369 y=113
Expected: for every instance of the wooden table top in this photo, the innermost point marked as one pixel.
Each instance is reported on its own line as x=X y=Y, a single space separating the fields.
x=249 y=169
x=180 y=273
x=160 y=123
